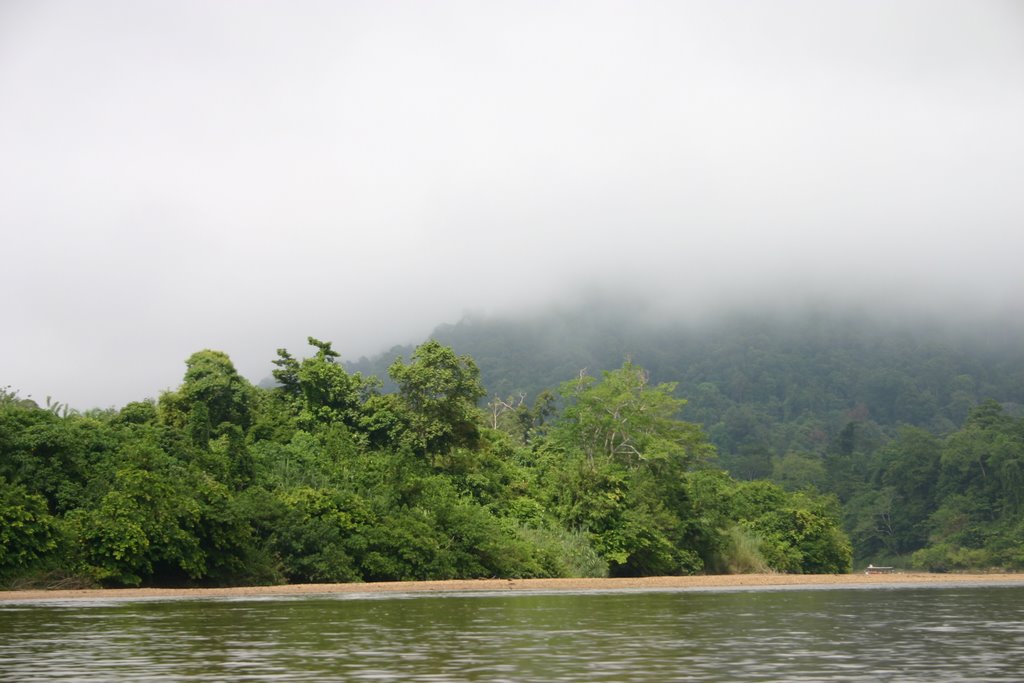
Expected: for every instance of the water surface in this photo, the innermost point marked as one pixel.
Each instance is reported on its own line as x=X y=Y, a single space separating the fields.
x=868 y=634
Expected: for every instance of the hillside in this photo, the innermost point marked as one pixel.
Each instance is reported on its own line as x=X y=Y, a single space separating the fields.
x=759 y=384
x=915 y=425
x=825 y=441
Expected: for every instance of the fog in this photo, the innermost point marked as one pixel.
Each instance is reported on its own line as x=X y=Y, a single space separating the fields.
x=193 y=174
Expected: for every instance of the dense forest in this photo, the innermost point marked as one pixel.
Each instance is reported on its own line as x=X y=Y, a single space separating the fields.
x=581 y=445
x=877 y=410
x=324 y=477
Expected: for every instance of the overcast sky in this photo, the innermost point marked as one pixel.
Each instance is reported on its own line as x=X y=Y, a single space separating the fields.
x=183 y=175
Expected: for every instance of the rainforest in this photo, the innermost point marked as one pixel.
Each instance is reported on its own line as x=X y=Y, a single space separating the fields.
x=569 y=444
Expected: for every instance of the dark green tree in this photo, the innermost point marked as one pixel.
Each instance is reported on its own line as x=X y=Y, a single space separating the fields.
x=27 y=531
x=438 y=393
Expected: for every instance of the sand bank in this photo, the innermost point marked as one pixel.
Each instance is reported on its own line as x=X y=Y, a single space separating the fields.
x=498 y=585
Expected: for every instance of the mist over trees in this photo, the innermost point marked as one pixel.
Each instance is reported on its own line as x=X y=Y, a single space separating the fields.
x=702 y=158
x=704 y=154
x=822 y=398
x=326 y=478
x=565 y=445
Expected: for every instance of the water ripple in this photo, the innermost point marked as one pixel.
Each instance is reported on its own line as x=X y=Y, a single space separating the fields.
x=837 y=635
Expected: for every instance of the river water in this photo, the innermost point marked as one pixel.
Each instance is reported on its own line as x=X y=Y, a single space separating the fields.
x=961 y=633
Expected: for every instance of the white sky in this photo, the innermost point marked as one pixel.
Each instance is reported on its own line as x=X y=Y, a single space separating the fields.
x=182 y=175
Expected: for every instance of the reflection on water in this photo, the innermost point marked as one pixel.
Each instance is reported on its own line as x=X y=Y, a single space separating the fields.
x=876 y=634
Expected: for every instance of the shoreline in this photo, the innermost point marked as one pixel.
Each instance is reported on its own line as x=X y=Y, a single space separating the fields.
x=725 y=581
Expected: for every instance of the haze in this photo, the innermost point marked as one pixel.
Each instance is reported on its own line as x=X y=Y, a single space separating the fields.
x=185 y=175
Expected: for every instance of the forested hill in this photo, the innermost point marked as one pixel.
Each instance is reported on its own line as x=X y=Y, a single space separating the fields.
x=916 y=426
x=325 y=477
x=762 y=385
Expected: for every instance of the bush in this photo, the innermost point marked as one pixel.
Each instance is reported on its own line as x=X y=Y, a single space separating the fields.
x=563 y=553
x=945 y=557
x=27 y=531
x=742 y=552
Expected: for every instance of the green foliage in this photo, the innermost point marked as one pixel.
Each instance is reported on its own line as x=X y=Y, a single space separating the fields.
x=52 y=456
x=742 y=553
x=27 y=531
x=624 y=418
x=521 y=421
x=324 y=478
x=595 y=499
x=760 y=382
x=138 y=412
x=889 y=416
x=437 y=398
x=758 y=523
x=311 y=533
x=560 y=552
x=151 y=517
x=945 y=503
x=318 y=391
x=798 y=470
x=143 y=525
x=802 y=538
x=946 y=557
x=287 y=373
x=622 y=470
x=214 y=394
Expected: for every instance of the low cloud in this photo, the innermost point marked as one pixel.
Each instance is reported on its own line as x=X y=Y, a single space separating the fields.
x=206 y=175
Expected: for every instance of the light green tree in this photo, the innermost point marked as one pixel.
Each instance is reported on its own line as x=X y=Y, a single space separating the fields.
x=626 y=418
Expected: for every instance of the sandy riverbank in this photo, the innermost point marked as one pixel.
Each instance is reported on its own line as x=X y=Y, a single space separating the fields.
x=493 y=585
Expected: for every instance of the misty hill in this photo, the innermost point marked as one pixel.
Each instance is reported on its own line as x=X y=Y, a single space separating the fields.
x=761 y=384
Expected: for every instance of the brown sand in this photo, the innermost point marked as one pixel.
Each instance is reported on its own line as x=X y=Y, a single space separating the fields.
x=496 y=585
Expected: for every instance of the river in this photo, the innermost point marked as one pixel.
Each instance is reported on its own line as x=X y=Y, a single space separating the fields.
x=952 y=633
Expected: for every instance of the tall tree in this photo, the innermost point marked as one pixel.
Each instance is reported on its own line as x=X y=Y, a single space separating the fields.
x=213 y=394
x=624 y=418
x=438 y=393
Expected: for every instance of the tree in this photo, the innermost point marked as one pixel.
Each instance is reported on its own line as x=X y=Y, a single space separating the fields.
x=311 y=532
x=27 y=531
x=212 y=394
x=287 y=373
x=911 y=472
x=618 y=457
x=146 y=519
x=798 y=470
x=626 y=419
x=438 y=393
x=159 y=521
x=330 y=394
x=319 y=391
x=514 y=417
x=52 y=456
